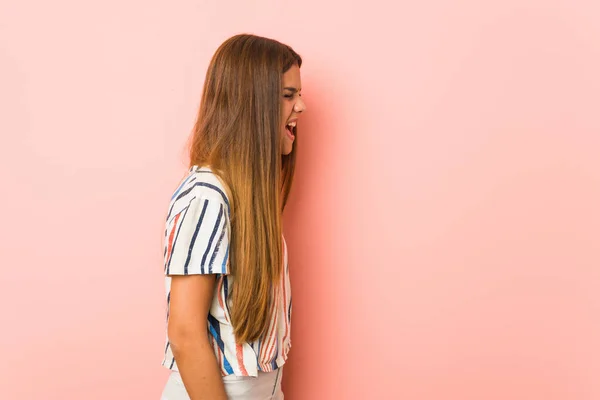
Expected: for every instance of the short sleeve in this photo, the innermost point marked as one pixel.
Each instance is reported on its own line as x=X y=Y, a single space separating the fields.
x=197 y=239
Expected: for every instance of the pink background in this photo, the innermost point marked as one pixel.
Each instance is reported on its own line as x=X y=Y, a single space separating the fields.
x=444 y=227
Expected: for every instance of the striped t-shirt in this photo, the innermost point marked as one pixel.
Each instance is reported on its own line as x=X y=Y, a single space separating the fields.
x=197 y=238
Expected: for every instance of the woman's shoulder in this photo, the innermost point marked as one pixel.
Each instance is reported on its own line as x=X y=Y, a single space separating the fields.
x=207 y=184
x=200 y=183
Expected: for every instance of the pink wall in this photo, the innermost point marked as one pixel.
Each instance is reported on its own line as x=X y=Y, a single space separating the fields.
x=444 y=227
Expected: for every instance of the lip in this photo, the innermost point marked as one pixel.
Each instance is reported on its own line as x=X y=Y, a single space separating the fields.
x=292 y=120
x=290 y=135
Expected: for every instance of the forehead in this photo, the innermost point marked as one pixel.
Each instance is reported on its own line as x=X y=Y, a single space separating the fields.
x=291 y=78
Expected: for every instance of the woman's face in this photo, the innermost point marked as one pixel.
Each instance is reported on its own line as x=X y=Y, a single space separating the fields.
x=291 y=107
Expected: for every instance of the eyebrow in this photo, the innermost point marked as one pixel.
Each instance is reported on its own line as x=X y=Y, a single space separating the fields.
x=292 y=89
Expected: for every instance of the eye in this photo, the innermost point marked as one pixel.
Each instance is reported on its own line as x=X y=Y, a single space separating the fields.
x=288 y=96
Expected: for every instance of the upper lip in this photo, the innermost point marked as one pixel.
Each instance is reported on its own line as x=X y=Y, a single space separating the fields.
x=292 y=120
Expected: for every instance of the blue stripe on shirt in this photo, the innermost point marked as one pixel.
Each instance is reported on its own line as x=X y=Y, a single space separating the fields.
x=175 y=239
x=186 y=181
x=194 y=236
x=217 y=248
x=210 y=186
x=215 y=330
x=189 y=179
x=212 y=237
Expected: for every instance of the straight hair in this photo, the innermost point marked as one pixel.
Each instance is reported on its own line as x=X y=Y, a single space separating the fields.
x=238 y=135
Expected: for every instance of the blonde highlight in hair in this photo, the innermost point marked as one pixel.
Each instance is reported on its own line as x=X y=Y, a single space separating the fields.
x=237 y=134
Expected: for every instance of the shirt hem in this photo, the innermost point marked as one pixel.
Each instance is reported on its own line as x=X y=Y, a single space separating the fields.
x=262 y=367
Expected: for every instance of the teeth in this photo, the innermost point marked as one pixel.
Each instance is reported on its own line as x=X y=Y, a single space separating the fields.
x=292 y=124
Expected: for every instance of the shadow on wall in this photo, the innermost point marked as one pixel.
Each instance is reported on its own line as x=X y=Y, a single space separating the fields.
x=309 y=225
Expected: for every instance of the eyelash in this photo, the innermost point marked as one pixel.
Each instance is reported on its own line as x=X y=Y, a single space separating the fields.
x=291 y=96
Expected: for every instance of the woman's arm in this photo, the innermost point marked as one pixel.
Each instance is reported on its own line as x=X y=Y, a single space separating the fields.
x=190 y=301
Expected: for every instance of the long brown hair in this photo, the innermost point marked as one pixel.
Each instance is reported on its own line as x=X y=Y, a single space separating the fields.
x=238 y=134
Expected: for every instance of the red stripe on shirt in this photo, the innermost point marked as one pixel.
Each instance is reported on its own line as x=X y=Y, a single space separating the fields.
x=171 y=236
x=268 y=348
x=221 y=296
x=285 y=317
x=240 y=358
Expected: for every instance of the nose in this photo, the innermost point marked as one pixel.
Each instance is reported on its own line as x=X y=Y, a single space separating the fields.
x=299 y=106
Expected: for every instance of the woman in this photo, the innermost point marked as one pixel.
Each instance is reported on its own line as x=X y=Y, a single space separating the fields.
x=227 y=281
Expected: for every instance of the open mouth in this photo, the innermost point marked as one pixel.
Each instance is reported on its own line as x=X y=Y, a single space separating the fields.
x=291 y=130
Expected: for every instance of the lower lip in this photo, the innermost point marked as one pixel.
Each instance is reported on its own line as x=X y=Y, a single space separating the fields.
x=289 y=134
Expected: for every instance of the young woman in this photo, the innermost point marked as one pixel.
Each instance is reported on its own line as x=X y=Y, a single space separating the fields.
x=227 y=278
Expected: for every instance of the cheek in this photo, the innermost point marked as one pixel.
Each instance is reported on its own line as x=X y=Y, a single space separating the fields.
x=287 y=110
